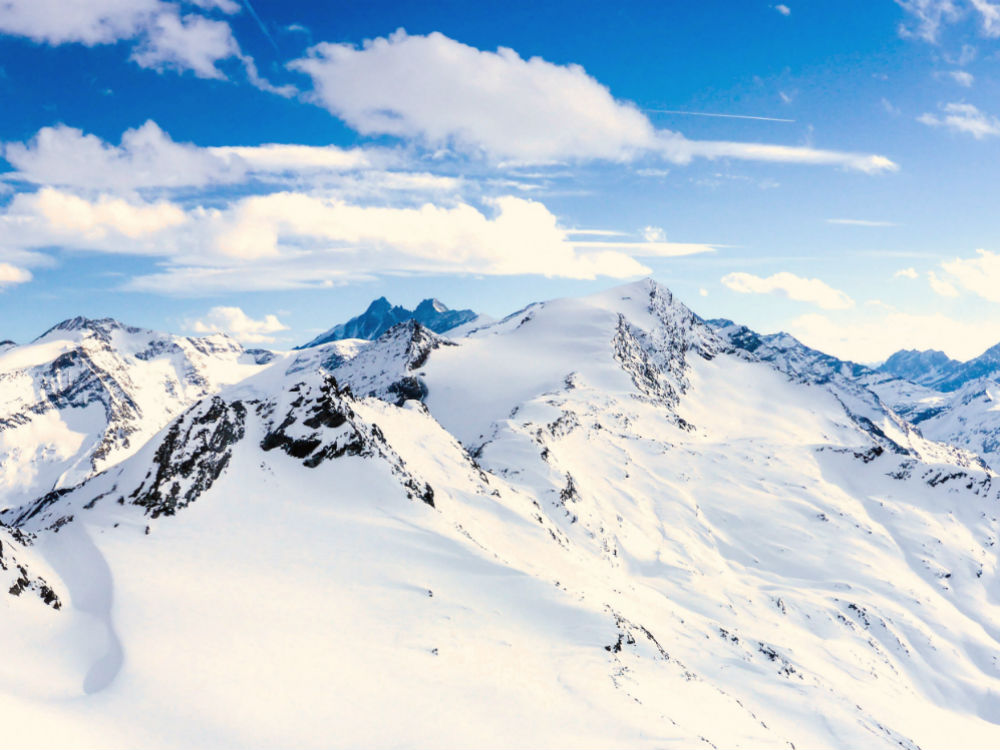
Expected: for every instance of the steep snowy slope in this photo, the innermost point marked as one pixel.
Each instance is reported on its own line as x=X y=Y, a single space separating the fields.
x=605 y=526
x=89 y=392
x=968 y=418
x=882 y=405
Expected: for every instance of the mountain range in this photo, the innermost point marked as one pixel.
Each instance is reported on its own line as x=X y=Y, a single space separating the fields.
x=595 y=522
x=382 y=315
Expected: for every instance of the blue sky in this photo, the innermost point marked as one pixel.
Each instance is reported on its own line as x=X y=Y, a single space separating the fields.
x=268 y=169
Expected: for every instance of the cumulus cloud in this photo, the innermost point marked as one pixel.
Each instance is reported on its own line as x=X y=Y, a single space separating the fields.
x=783 y=10
x=445 y=94
x=979 y=275
x=190 y=42
x=52 y=217
x=94 y=219
x=164 y=34
x=906 y=273
x=90 y=23
x=147 y=157
x=794 y=287
x=288 y=239
x=941 y=286
x=521 y=236
x=963 y=118
x=236 y=323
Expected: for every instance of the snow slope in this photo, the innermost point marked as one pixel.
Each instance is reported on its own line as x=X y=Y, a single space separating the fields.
x=604 y=526
x=88 y=393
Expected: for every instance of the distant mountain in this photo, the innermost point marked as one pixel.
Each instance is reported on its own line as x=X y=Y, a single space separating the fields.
x=938 y=371
x=87 y=393
x=382 y=315
x=924 y=367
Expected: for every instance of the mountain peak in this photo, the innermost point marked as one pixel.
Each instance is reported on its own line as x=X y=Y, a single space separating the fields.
x=81 y=323
x=430 y=306
x=382 y=315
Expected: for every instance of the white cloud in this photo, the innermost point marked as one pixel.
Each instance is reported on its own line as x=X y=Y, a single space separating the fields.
x=989 y=16
x=293 y=240
x=162 y=34
x=979 y=275
x=783 y=10
x=941 y=286
x=889 y=107
x=703 y=292
x=448 y=95
x=794 y=287
x=872 y=337
x=906 y=273
x=236 y=323
x=55 y=217
x=860 y=222
x=11 y=274
x=442 y=92
x=226 y=6
x=654 y=234
x=680 y=149
x=189 y=42
x=521 y=237
x=930 y=16
x=964 y=118
x=147 y=157
x=281 y=157
x=92 y=22
x=962 y=78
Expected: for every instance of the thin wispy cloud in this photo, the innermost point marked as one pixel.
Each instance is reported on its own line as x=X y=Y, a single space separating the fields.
x=253 y=14
x=717 y=114
x=960 y=117
x=861 y=222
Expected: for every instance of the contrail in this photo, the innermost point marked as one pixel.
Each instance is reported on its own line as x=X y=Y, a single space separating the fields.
x=717 y=114
x=263 y=28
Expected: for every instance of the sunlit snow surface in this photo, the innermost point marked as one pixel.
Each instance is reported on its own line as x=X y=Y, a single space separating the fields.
x=638 y=537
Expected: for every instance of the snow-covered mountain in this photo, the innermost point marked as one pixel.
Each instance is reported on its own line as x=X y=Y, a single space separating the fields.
x=87 y=393
x=936 y=370
x=923 y=367
x=381 y=315
x=597 y=522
